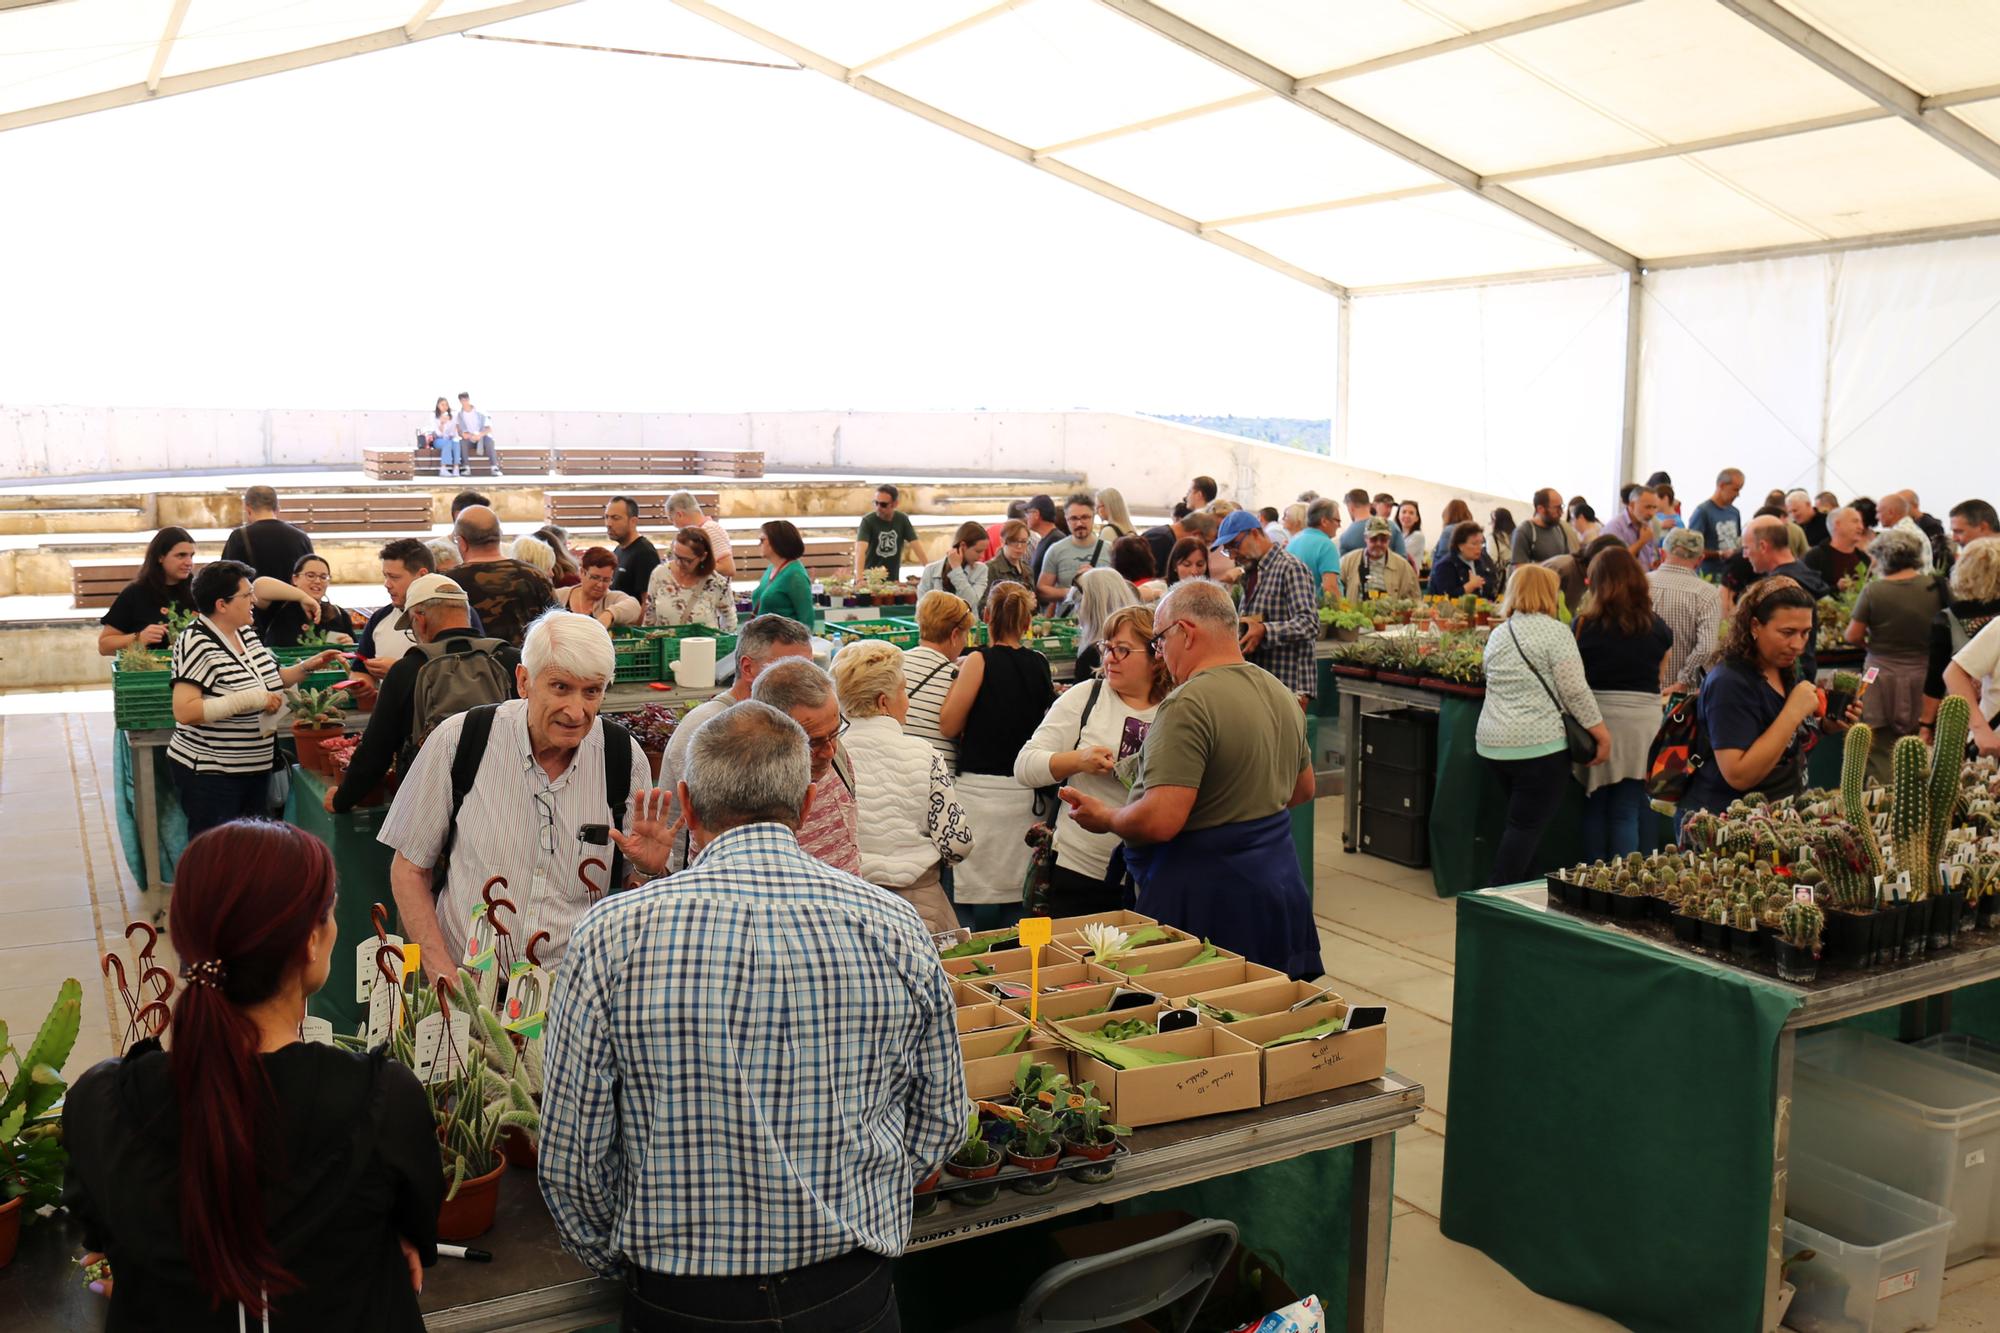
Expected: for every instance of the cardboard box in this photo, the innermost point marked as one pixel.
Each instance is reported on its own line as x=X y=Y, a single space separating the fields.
x=1300 y=1068
x=1069 y=925
x=1070 y=1003
x=1262 y=997
x=1072 y=941
x=981 y=1017
x=1054 y=972
x=1224 y=1073
x=964 y=993
x=1166 y=973
x=992 y=1076
x=988 y=964
x=1093 y=1022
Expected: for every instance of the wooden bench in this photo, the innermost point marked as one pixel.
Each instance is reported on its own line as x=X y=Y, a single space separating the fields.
x=639 y=460
x=585 y=509
x=96 y=581
x=359 y=512
x=409 y=464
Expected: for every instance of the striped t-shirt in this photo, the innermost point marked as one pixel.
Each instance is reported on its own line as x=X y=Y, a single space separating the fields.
x=235 y=744
x=928 y=674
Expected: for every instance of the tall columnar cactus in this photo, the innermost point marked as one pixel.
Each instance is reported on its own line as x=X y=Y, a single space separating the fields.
x=1853 y=770
x=1909 y=816
x=1954 y=719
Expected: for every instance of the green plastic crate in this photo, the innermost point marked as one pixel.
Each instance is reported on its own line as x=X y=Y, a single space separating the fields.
x=637 y=656
x=142 y=700
x=886 y=630
x=668 y=646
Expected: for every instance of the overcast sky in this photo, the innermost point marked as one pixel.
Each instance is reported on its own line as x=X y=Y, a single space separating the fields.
x=571 y=230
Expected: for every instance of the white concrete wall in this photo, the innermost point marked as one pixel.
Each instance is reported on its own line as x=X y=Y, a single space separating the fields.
x=1149 y=460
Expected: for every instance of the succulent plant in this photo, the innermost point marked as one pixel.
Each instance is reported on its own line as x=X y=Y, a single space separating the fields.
x=1853 y=772
x=1909 y=817
x=1801 y=924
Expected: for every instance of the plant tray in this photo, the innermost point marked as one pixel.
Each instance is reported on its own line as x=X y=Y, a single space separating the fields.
x=1351 y=672
x=948 y=1183
x=1464 y=689
x=880 y=631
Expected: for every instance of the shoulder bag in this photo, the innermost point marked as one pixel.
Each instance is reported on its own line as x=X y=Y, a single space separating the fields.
x=1582 y=745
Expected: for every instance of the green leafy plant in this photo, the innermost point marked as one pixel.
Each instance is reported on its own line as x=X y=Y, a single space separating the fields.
x=1124 y=1029
x=1115 y=1054
x=1324 y=1028
x=1040 y=1128
x=1013 y=1043
x=314 y=708
x=313 y=637
x=975 y=1151
x=1085 y=1122
x=31 y=1152
x=982 y=944
x=178 y=618
x=140 y=658
x=477 y=1100
x=1221 y=1015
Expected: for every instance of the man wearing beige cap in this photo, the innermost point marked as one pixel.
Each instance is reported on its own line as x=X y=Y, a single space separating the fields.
x=450 y=669
x=1376 y=568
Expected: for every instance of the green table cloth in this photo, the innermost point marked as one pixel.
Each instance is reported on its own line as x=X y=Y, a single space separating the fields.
x=361 y=867
x=1469 y=808
x=1609 y=1141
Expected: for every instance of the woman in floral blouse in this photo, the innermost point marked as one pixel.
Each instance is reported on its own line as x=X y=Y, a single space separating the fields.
x=687 y=590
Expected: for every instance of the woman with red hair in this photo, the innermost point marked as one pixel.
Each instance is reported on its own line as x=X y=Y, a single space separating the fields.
x=246 y=1174
x=595 y=596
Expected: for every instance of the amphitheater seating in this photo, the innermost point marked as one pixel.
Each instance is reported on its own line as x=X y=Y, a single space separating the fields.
x=406 y=464
x=359 y=512
x=97 y=582
x=642 y=460
x=576 y=510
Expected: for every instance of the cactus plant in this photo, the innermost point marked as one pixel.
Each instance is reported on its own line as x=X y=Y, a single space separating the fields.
x=1909 y=822
x=31 y=1152
x=1744 y=918
x=1954 y=720
x=1802 y=923
x=1853 y=771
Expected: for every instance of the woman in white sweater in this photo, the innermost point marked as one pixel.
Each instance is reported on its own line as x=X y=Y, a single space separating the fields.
x=1082 y=742
x=907 y=818
x=1531 y=662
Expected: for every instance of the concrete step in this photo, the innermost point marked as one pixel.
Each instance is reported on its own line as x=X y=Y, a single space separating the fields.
x=42 y=522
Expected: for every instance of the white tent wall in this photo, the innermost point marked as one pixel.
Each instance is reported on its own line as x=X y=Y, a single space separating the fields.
x=1879 y=360
x=1502 y=388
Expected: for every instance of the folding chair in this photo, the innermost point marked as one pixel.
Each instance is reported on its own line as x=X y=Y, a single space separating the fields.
x=1106 y=1290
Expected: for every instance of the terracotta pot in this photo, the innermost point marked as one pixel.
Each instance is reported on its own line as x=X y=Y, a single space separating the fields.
x=924 y=1199
x=653 y=760
x=307 y=738
x=1043 y=1168
x=10 y=1228
x=974 y=1196
x=517 y=1149
x=1097 y=1154
x=470 y=1214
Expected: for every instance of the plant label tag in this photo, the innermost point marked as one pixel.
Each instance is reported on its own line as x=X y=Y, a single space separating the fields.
x=479 y=941
x=527 y=1000
x=1977 y=1157
x=440 y=1046
x=1802 y=894
x=1896 y=1284
x=385 y=1014
x=316 y=1031
x=365 y=971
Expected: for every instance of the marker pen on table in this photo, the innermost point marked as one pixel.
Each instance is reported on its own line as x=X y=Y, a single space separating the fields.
x=461 y=1252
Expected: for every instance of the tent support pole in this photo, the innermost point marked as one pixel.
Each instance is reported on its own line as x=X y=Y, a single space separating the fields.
x=1343 y=343
x=1628 y=442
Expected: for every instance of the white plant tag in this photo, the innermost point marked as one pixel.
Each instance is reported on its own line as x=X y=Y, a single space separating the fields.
x=365 y=972
x=440 y=1047
x=316 y=1031
x=1977 y=1157
x=385 y=1014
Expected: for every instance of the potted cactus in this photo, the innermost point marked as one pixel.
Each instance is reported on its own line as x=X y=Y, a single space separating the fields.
x=1840 y=692
x=316 y=718
x=31 y=1152
x=1797 y=947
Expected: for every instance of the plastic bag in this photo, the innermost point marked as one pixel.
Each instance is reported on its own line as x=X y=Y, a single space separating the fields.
x=1304 y=1316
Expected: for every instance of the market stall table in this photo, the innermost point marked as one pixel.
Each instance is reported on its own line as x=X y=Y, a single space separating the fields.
x=1620 y=1107
x=532 y=1286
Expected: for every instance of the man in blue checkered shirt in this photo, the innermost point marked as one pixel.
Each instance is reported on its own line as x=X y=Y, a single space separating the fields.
x=1280 y=603
x=750 y=1064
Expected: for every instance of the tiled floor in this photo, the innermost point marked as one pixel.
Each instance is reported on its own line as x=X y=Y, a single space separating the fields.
x=1386 y=937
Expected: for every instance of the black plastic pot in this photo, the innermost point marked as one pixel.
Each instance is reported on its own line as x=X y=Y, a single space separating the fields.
x=1687 y=929
x=1742 y=943
x=1837 y=703
x=1795 y=962
x=1985 y=913
x=1657 y=909
x=1849 y=939
x=1887 y=947
x=1916 y=930
x=1946 y=909
x=1627 y=906
x=1593 y=900
x=1561 y=891
x=1714 y=935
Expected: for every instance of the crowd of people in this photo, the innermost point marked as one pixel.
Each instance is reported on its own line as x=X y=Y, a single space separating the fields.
x=812 y=829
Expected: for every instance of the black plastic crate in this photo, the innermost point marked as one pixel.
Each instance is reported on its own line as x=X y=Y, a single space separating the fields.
x=1396 y=791
x=1405 y=739
x=1404 y=839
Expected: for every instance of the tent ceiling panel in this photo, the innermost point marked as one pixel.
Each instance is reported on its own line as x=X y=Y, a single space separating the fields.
x=1412 y=240
x=1883 y=176
x=224 y=32
x=1479 y=108
x=50 y=53
x=1678 y=70
x=1622 y=204
x=1257 y=158
x=1304 y=37
x=1935 y=46
x=1054 y=70
x=1982 y=116
x=852 y=34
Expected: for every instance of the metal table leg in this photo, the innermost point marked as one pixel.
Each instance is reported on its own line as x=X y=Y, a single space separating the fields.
x=146 y=812
x=1781 y=1137
x=1368 y=1235
x=1350 y=796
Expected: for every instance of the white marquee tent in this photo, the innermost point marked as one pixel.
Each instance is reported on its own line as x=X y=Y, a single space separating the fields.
x=1566 y=240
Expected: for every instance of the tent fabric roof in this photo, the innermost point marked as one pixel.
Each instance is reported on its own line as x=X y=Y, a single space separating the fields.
x=1362 y=146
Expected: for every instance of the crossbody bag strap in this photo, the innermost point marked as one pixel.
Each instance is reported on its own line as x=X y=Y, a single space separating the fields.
x=1096 y=688
x=1529 y=662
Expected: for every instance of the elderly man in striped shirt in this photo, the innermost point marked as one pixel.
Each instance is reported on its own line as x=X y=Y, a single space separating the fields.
x=749 y=1065
x=1691 y=607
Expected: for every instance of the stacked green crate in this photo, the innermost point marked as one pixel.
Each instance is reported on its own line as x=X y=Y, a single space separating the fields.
x=901 y=633
x=636 y=656
x=142 y=700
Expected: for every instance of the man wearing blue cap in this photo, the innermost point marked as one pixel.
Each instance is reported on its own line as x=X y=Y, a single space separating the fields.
x=1280 y=603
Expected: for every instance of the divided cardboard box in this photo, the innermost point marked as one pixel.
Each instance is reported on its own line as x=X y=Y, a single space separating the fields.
x=1300 y=1068
x=1166 y=970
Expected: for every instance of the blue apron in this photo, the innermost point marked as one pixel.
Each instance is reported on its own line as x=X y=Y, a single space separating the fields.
x=1236 y=885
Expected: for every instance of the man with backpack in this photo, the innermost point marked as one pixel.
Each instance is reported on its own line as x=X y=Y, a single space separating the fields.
x=450 y=668
x=526 y=792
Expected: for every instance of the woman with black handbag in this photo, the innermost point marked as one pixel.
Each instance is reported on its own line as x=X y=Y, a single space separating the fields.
x=1082 y=742
x=1538 y=718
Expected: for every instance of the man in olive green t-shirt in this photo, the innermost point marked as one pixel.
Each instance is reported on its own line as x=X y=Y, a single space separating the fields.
x=1207 y=835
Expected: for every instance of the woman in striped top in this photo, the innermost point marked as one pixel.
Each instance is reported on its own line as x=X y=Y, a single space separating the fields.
x=944 y=625
x=225 y=681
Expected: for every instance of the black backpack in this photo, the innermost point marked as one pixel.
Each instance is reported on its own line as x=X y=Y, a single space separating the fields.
x=465 y=771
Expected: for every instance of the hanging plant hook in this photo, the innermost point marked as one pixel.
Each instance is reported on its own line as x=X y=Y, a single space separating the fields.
x=534 y=940
x=486 y=892
x=152 y=939
x=379 y=914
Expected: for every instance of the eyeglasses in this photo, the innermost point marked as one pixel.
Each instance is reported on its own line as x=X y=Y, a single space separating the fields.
x=1116 y=652
x=1158 y=643
x=828 y=742
x=687 y=561
x=885 y=504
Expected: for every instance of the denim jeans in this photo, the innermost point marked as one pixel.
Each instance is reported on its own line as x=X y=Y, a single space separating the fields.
x=1611 y=819
x=212 y=799
x=853 y=1293
x=1534 y=792
x=451 y=451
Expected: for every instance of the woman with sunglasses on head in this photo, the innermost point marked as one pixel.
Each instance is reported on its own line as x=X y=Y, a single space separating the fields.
x=1080 y=743
x=687 y=588
x=284 y=610
x=246 y=1178
x=1001 y=693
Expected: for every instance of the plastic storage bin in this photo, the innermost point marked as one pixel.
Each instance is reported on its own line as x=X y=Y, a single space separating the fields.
x=1878 y=1263
x=1912 y=1119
